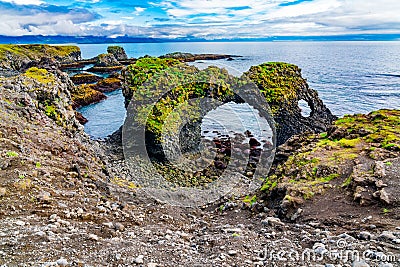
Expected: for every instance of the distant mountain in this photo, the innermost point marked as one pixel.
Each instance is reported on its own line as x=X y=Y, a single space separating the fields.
x=127 y=39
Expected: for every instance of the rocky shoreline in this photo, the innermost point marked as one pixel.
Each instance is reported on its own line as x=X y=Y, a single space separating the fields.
x=66 y=200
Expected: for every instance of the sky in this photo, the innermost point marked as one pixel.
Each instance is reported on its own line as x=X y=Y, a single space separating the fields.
x=208 y=19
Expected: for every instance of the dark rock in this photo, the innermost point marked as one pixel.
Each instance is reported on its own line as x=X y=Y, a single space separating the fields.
x=254 y=142
x=106 y=60
x=188 y=57
x=108 y=85
x=118 y=52
x=82 y=120
x=283 y=87
x=82 y=78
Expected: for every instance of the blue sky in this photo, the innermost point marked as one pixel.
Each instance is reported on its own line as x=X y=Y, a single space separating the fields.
x=209 y=19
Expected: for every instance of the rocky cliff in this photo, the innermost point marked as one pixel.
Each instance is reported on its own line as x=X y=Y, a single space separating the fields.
x=19 y=57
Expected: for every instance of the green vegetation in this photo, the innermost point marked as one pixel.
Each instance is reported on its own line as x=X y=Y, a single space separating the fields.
x=172 y=85
x=38 y=165
x=41 y=75
x=37 y=51
x=386 y=211
x=250 y=200
x=279 y=82
x=11 y=154
x=85 y=94
x=322 y=159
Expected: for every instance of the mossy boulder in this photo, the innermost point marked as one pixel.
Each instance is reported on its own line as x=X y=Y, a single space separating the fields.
x=106 y=60
x=118 y=52
x=357 y=156
x=283 y=87
x=86 y=94
x=82 y=78
x=188 y=57
x=16 y=57
x=108 y=85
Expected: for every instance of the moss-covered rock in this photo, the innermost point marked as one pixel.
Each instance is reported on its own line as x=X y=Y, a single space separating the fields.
x=106 y=60
x=16 y=57
x=118 y=52
x=188 y=57
x=137 y=74
x=283 y=87
x=82 y=78
x=356 y=155
x=44 y=92
x=86 y=94
x=108 y=85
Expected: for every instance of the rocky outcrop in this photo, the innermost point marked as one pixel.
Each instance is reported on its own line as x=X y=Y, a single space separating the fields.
x=118 y=52
x=19 y=57
x=86 y=94
x=188 y=57
x=109 y=85
x=357 y=158
x=82 y=78
x=106 y=63
x=106 y=60
x=283 y=88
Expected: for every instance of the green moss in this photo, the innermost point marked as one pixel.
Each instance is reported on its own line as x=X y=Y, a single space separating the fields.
x=11 y=154
x=346 y=143
x=279 y=82
x=149 y=77
x=250 y=200
x=347 y=182
x=41 y=75
x=37 y=51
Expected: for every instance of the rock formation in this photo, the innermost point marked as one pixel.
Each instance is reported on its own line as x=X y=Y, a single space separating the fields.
x=283 y=87
x=118 y=52
x=358 y=156
x=18 y=57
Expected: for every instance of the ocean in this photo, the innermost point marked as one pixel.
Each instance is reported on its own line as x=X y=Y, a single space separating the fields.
x=350 y=77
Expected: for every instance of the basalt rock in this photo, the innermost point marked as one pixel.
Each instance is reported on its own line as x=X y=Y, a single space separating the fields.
x=86 y=94
x=283 y=88
x=43 y=90
x=82 y=78
x=358 y=157
x=188 y=57
x=106 y=60
x=118 y=52
x=22 y=57
x=108 y=85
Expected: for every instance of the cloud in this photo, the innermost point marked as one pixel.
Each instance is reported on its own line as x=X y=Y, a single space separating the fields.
x=16 y=20
x=199 y=18
x=24 y=2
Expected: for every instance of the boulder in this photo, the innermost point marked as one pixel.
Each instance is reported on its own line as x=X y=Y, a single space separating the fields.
x=360 y=154
x=106 y=60
x=109 y=85
x=86 y=94
x=82 y=78
x=118 y=52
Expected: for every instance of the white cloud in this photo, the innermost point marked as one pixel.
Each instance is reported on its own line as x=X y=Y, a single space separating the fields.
x=24 y=2
x=139 y=10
